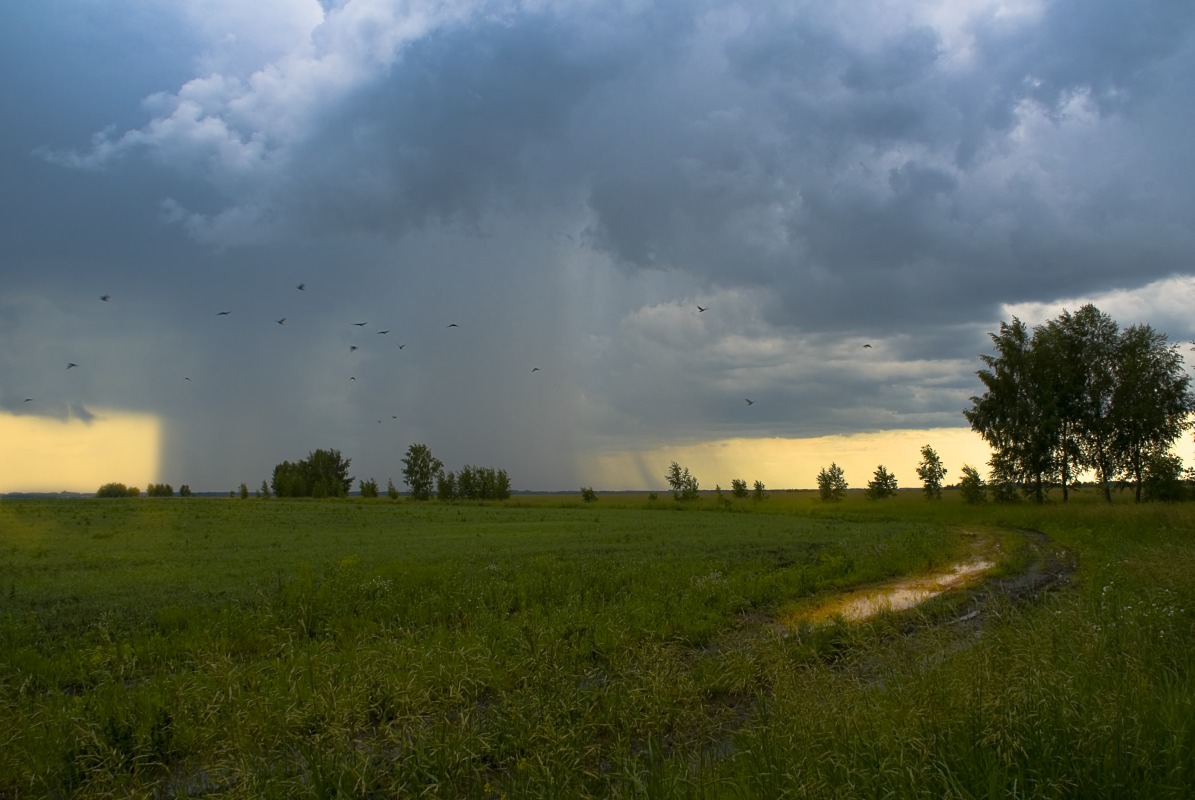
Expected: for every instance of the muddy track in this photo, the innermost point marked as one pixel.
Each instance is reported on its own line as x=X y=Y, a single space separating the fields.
x=1050 y=567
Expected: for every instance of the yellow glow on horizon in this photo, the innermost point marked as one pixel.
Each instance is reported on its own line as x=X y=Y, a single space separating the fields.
x=795 y=463
x=40 y=454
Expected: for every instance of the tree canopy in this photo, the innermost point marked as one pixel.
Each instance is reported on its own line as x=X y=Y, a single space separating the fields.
x=1076 y=394
x=324 y=473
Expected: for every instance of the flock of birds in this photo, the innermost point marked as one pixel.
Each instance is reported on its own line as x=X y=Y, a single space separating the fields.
x=354 y=348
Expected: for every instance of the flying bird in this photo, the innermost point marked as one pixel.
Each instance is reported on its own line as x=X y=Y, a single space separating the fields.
x=353 y=378
x=105 y=297
x=535 y=369
x=360 y=324
x=700 y=309
x=71 y=364
x=381 y=332
x=301 y=287
x=867 y=346
x=28 y=399
x=401 y=346
x=223 y=313
x=749 y=401
x=352 y=348
x=453 y=325
x=281 y=321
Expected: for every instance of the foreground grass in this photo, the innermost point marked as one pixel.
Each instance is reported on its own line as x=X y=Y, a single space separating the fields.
x=288 y=648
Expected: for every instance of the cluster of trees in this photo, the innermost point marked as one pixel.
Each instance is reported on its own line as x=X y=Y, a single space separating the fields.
x=1079 y=394
x=324 y=473
x=473 y=483
x=159 y=490
x=425 y=475
x=117 y=490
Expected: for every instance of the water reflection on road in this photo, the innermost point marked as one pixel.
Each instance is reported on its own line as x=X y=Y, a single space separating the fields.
x=897 y=596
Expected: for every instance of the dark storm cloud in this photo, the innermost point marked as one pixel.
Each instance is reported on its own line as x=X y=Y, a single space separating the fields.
x=568 y=181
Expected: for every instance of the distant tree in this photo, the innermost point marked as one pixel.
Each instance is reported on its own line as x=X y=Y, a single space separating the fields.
x=134 y=491
x=467 y=484
x=264 y=490
x=972 y=486
x=446 y=485
x=738 y=488
x=113 y=490
x=369 y=488
x=588 y=494
x=931 y=472
x=758 y=492
x=831 y=484
x=159 y=490
x=391 y=489
x=184 y=490
x=684 y=486
x=244 y=492
x=1163 y=480
x=881 y=485
x=419 y=470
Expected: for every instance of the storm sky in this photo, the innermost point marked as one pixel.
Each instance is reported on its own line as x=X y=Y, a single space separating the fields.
x=567 y=182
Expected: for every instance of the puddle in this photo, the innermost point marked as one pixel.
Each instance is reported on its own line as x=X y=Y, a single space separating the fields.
x=897 y=596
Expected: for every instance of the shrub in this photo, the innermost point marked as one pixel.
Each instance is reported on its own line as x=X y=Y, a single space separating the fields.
x=588 y=494
x=972 y=486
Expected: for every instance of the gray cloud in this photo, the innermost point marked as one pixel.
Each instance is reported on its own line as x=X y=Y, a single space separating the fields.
x=568 y=182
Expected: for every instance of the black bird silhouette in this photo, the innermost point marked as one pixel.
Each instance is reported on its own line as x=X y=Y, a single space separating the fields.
x=186 y=379
x=360 y=324
x=749 y=402
x=700 y=309
x=535 y=369
x=393 y=416
x=281 y=321
x=381 y=332
x=453 y=325
x=105 y=297
x=401 y=346
x=353 y=378
x=352 y=348
x=71 y=364
x=867 y=345
x=223 y=313
x=301 y=287
x=28 y=399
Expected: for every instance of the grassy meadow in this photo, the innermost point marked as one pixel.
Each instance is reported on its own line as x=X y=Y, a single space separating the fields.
x=544 y=647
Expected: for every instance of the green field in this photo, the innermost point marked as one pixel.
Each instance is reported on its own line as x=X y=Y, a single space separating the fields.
x=626 y=648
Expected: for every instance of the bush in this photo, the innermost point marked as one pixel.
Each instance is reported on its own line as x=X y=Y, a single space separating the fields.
x=369 y=488
x=184 y=490
x=117 y=490
x=972 y=486
x=1163 y=479
x=588 y=494
x=757 y=493
x=159 y=490
x=739 y=488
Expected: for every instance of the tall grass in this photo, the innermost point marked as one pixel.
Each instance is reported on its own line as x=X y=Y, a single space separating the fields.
x=319 y=649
